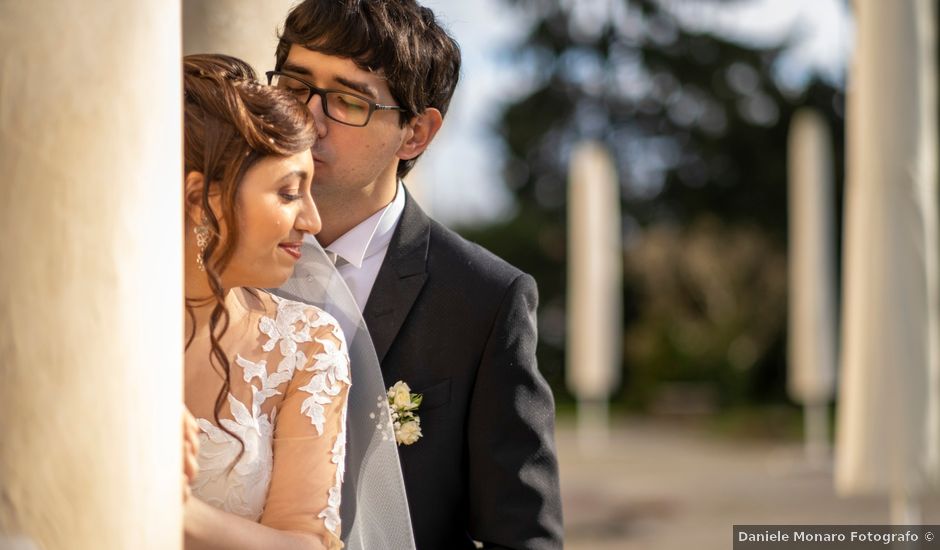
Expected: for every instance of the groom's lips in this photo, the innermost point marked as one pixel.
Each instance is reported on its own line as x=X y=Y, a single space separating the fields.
x=318 y=158
x=291 y=248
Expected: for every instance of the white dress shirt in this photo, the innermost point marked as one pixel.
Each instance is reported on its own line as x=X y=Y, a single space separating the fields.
x=359 y=252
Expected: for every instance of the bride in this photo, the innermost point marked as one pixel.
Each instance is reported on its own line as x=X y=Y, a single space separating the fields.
x=266 y=378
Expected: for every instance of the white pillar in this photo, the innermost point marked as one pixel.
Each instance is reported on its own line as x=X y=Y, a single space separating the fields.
x=811 y=353
x=246 y=29
x=595 y=272
x=90 y=275
x=887 y=438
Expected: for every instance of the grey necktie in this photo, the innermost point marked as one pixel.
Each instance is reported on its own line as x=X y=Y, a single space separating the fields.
x=337 y=260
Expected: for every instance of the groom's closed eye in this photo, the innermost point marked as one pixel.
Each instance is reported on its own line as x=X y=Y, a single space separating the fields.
x=307 y=75
x=359 y=87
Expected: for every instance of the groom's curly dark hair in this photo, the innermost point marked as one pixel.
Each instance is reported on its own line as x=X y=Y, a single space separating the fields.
x=418 y=58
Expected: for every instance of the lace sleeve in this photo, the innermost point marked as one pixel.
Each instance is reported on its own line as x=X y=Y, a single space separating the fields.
x=310 y=438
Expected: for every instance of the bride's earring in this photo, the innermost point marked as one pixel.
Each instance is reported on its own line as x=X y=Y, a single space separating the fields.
x=202 y=241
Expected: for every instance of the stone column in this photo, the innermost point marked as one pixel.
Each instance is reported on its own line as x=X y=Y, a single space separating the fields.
x=888 y=418
x=812 y=297
x=90 y=275
x=246 y=29
x=595 y=280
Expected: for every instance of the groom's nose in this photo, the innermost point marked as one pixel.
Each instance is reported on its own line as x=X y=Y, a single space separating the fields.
x=316 y=109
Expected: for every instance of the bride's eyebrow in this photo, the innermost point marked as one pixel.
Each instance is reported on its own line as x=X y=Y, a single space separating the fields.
x=301 y=174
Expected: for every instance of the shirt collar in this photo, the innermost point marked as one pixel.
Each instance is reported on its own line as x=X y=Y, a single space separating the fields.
x=373 y=234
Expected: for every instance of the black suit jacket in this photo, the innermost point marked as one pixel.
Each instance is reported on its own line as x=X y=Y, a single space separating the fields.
x=457 y=324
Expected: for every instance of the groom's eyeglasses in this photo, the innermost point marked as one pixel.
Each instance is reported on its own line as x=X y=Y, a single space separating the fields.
x=343 y=107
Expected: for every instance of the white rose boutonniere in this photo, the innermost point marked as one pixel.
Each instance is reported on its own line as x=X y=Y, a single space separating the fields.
x=403 y=405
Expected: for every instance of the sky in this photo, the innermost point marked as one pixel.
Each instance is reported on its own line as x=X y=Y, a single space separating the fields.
x=458 y=179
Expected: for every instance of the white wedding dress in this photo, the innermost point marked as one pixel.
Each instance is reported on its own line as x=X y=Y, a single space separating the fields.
x=287 y=403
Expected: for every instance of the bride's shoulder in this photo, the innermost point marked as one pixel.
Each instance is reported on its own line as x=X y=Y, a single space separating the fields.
x=314 y=333
x=288 y=314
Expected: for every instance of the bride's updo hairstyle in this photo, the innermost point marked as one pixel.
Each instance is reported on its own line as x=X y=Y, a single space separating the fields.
x=230 y=122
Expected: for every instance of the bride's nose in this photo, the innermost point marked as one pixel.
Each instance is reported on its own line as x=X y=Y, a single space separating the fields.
x=309 y=220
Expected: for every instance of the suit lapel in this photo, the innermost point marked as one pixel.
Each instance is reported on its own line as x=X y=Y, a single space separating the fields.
x=400 y=278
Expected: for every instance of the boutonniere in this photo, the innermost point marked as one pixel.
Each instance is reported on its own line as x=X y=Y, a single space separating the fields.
x=403 y=406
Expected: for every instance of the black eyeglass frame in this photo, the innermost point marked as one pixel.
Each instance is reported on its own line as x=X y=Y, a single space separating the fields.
x=373 y=106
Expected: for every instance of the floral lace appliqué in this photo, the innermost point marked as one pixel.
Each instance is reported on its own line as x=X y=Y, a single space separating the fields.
x=243 y=490
x=331 y=366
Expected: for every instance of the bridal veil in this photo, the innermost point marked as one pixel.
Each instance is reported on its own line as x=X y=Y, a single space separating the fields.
x=374 y=508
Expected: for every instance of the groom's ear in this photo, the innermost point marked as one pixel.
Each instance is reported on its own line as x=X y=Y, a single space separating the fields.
x=421 y=130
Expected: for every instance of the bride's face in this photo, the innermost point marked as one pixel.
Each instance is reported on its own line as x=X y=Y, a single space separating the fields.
x=274 y=210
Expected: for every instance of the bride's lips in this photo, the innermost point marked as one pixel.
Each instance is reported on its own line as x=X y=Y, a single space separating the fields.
x=291 y=248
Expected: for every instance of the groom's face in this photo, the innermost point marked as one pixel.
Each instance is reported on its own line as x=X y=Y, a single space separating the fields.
x=348 y=158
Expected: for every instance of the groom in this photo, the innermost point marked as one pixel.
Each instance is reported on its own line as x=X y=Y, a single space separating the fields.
x=453 y=321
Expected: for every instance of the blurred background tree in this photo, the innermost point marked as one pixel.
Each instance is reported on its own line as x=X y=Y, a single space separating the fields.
x=698 y=126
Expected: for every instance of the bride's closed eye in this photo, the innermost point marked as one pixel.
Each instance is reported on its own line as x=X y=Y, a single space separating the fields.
x=291 y=190
x=292 y=186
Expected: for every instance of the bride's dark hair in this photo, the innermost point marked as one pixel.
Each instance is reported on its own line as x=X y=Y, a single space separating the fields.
x=231 y=121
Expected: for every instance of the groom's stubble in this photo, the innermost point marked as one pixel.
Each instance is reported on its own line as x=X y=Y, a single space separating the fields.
x=344 y=204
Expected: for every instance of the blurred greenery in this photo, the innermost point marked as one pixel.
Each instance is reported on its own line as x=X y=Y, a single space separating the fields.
x=698 y=126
